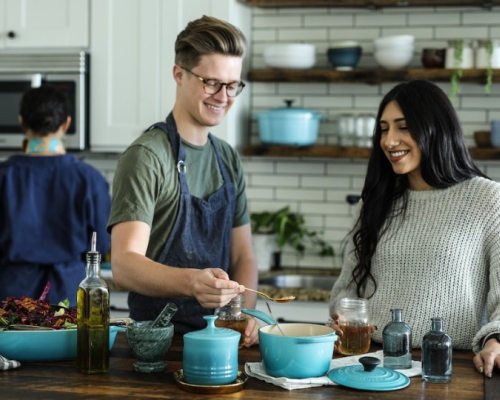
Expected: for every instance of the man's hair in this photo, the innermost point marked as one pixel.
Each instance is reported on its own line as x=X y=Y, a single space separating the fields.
x=43 y=110
x=208 y=35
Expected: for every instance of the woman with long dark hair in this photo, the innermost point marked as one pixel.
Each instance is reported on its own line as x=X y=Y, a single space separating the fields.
x=427 y=231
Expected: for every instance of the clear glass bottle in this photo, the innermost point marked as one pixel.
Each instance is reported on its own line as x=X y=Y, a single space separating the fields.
x=230 y=316
x=93 y=317
x=396 y=341
x=353 y=321
x=436 y=354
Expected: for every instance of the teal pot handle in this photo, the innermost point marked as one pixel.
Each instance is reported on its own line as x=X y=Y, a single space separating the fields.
x=316 y=339
x=259 y=315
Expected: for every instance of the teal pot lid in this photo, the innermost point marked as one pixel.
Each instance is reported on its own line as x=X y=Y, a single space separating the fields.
x=368 y=376
x=211 y=332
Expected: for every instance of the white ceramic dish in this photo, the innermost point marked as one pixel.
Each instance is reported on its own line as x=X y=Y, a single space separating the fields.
x=394 y=41
x=291 y=55
x=393 y=59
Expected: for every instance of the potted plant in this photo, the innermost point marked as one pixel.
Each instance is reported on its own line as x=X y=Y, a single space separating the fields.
x=284 y=227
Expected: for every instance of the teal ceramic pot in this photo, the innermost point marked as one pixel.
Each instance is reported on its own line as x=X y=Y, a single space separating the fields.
x=304 y=352
x=289 y=126
x=210 y=355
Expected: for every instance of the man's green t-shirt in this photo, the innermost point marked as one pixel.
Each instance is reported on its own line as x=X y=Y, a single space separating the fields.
x=146 y=185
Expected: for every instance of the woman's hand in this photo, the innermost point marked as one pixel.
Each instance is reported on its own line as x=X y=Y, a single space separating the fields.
x=487 y=358
x=251 y=332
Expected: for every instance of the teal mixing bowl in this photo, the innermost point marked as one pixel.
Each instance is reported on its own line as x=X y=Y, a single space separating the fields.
x=53 y=345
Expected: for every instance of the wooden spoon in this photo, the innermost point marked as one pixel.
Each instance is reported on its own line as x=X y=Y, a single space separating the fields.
x=284 y=299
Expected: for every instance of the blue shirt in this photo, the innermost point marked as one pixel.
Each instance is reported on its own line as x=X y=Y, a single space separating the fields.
x=49 y=207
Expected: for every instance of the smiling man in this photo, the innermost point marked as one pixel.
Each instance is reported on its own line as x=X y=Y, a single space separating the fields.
x=179 y=222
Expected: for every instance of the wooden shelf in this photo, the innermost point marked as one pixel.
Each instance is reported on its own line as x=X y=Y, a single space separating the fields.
x=373 y=4
x=342 y=152
x=370 y=76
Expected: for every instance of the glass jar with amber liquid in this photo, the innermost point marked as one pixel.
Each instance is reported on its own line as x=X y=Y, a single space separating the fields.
x=93 y=318
x=354 y=323
x=230 y=316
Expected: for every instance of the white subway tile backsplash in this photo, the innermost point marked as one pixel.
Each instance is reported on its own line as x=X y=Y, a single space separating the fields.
x=355 y=33
x=325 y=182
x=432 y=18
x=328 y=20
x=380 y=19
x=481 y=18
x=462 y=32
x=277 y=21
x=300 y=168
x=275 y=180
x=300 y=194
x=302 y=35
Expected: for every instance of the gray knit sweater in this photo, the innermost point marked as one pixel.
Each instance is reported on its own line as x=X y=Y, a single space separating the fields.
x=441 y=260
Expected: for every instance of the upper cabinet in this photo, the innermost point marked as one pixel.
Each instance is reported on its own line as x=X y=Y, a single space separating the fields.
x=26 y=24
x=132 y=56
x=369 y=3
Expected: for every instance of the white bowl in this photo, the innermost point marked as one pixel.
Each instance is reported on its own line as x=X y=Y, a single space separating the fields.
x=292 y=55
x=394 y=41
x=393 y=59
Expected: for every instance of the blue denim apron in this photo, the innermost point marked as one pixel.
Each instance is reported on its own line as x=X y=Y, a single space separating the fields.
x=200 y=239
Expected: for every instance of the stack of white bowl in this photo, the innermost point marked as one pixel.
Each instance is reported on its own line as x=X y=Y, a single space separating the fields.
x=290 y=55
x=393 y=52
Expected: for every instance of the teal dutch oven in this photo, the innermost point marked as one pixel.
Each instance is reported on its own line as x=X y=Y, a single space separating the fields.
x=289 y=126
x=305 y=350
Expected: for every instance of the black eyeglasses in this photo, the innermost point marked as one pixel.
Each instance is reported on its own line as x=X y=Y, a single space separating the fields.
x=214 y=86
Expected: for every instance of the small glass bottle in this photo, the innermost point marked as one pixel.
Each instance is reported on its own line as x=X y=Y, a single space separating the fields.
x=230 y=316
x=436 y=354
x=353 y=321
x=93 y=318
x=396 y=341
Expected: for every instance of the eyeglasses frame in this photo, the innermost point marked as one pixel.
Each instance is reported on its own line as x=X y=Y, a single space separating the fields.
x=222 y=84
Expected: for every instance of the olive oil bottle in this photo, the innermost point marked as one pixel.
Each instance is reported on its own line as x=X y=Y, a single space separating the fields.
x=93 y=317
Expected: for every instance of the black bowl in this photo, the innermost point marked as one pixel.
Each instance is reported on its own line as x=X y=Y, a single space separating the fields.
x=344 y=57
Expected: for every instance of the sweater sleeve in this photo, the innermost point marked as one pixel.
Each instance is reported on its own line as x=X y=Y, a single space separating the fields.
x=493 y=250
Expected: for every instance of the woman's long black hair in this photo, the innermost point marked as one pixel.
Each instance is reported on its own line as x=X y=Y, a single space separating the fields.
x=434 y=126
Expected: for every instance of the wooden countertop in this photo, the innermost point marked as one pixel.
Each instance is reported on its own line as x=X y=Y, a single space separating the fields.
x=61 y=380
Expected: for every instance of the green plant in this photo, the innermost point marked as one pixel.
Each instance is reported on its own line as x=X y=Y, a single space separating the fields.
x=489 y=70
x=290 y=229
x=457 y=70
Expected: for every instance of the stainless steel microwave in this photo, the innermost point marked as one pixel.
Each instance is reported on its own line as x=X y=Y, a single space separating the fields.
x=69 y=72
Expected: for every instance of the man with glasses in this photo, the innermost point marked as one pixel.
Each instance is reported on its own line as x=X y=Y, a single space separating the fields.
x=180 y=227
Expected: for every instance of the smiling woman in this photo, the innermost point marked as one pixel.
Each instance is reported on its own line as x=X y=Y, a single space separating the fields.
x=426 y=229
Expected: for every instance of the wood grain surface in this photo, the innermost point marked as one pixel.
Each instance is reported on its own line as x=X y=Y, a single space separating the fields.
x=61 y=380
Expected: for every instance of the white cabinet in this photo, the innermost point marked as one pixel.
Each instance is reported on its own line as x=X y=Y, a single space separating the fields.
x=44 y=24
x=132 y=55
x=298 y=311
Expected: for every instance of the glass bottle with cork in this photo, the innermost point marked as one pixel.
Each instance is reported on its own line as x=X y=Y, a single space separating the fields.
x=396 y=341
x=93 y=317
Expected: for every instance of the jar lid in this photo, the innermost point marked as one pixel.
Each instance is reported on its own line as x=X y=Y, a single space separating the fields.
x=368 y=376
x=211 y=332
x=290 y=111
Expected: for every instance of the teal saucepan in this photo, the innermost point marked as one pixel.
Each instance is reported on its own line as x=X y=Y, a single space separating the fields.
x=305 y=350
x=38 y=345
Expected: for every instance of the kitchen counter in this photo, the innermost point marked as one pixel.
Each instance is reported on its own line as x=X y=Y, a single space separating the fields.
x=61 y=380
